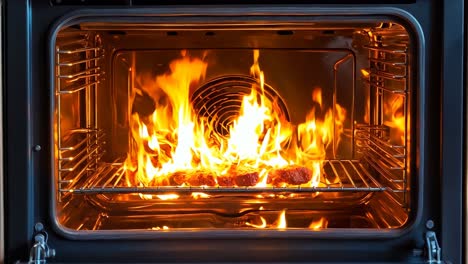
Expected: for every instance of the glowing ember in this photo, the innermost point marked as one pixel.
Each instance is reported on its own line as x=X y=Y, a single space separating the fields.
x=319 y=224
x=173 y=147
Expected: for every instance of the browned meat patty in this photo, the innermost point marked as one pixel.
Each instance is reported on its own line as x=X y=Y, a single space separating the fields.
x=293 y=175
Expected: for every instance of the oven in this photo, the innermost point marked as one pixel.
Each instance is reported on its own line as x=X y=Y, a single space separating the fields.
x=146 y=131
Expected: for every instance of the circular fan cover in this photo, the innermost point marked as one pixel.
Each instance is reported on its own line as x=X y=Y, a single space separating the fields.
x=219 y=100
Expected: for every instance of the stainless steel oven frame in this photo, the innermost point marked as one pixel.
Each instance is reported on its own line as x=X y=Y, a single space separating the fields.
x=27 y=27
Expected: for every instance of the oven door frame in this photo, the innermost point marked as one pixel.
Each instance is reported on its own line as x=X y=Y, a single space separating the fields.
x=27 y=149
x=251 y=16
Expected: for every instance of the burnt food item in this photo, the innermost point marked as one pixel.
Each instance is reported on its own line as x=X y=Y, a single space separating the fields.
x=201 y=178
x=246 y=178
x=292 y=175
x=226 y=181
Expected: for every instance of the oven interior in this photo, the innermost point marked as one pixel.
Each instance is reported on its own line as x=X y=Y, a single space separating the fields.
x=160 y=126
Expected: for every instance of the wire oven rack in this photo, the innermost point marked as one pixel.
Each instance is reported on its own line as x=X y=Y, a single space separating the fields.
x=382 y=165
x=337 y=176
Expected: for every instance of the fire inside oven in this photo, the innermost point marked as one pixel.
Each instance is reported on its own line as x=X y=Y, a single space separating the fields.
x=177 y=127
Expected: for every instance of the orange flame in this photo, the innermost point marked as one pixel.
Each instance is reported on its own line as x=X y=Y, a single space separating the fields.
x=172 y=146
x=171 y=196
x=397 y=120
x=159 y=228
x=319 y=224
x=281 y=223
x=365 y=73
x=200 y=195
x=317 y=96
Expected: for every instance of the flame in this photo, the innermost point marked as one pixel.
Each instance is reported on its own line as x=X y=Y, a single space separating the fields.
x=171 y=196
x=262 y=225
x=397 y=120
x=198 y=195
x=159 y=228
x=367 y=111
x=319 y=224
x=172 y=146
x=317 y=96
x=281 y=223
x=145 y=196
x=365 y=73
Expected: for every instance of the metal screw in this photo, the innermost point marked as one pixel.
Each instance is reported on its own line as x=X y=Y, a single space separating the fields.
x=37 y=148
x=430 y=224
x=38 y=227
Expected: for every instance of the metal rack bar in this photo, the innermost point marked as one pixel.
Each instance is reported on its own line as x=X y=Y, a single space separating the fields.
x=78 y=88
x=386 y=49
x=394 y=155
x=90 y=75
x=81 y=143
x=85 y=154
x=336 y=173
x=388 y=62
x=347 y=173
x=78 y=178
x=69 y=76
x=387 y=144
x=359 y=174
x=162 y=190
x=389 y=76
x=368 y=174
x=71 y=51
x=389 y=176
x=402 y=92
x=377 y=155
x=72 y=63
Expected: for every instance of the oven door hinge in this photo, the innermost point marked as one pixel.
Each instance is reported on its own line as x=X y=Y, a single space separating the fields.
x=433 y=249
x=40 y=251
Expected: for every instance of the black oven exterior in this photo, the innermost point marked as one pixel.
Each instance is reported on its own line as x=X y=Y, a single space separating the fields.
x=27 y=26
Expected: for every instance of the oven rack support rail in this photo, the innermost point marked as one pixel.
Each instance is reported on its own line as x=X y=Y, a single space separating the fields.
x=78 y=72
x=389 y=83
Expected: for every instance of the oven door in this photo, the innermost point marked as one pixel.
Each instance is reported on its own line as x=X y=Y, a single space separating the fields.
x=435 y=231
